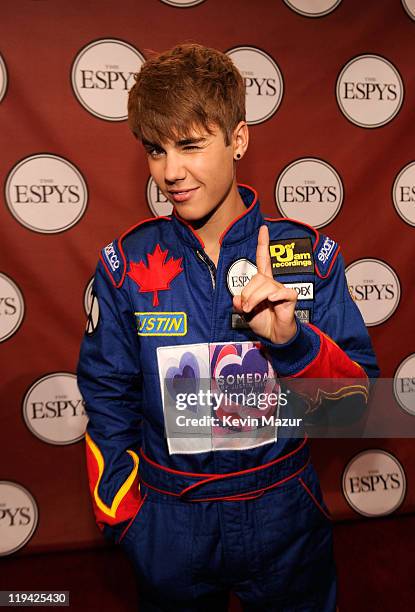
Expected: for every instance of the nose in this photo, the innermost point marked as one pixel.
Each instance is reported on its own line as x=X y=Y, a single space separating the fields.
x=174 y=169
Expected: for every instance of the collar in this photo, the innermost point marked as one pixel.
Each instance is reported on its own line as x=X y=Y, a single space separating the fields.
x=240 y=228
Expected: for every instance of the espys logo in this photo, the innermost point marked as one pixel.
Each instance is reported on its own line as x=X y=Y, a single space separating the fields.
x=3 y=79
x=409 y=6
x=313 y=8
x=239 y=275
x=369 y=91
x=102 y=74
x=309 y=190
x=404 y=384
x=11 y=307
x=53 y=409
x=157 y=202
x=182 y=3
x=18 y=517
x=91 y=308
x=375 y=288
x=263 y=82
x=46 y=193
x=374 y=483
x=403 y=194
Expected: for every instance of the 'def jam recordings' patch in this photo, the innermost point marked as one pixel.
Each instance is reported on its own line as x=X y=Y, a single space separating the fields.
x=291 y=256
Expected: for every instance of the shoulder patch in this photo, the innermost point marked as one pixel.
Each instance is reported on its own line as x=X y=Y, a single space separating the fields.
x=291 y=256
x=325 y=255
x=113 y=262
x=113 y=257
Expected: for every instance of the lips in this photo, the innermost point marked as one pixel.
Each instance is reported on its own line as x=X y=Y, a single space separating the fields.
x=183 y=195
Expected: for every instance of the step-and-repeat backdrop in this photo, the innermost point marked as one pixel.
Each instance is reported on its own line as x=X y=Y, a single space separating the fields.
x=330 y=92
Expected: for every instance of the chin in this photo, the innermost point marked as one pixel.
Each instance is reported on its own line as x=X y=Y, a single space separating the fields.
x=188 y=213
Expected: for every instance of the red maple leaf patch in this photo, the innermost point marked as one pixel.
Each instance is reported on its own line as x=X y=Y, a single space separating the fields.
x=158 y=275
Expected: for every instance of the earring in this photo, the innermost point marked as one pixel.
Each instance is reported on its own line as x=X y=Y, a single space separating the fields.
x=238 y=156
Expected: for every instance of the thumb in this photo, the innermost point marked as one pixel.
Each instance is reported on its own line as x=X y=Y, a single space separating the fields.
x=237 y=303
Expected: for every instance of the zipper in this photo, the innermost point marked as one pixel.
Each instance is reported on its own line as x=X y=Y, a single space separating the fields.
x=211 y=266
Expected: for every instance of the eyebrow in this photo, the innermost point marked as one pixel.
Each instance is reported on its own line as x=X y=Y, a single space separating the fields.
x=179 y=143
x=187 y=141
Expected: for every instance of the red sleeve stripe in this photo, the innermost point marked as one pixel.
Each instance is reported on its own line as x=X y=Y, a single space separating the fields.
x=337 y=251
x=126 y=499
x=331 y=361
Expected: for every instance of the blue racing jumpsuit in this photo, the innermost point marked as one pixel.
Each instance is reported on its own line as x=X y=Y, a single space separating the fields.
x=205 y=507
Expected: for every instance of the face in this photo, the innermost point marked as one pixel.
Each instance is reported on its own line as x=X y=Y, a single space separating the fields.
x=197 y=174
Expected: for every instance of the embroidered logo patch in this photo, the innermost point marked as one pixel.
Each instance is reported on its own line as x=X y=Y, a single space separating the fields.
x=111 y=257
x=161 y=323
x=325 y=254
x=158 y=275
x=305 y=290
x=239 y=275
x=291 y=256
x=303 y=315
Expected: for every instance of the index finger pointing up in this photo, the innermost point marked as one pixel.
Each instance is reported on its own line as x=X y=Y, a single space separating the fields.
x=263 y=258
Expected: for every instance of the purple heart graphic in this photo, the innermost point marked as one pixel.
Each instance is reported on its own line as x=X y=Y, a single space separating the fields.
x=252 y=363
x=184 y=378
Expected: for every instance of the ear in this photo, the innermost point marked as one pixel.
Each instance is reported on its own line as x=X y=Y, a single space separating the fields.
x=240 y=140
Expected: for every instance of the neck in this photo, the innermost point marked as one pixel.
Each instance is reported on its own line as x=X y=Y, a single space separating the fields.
x=212 y=227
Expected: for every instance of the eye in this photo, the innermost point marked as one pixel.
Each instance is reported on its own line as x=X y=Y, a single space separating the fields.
x=191 y=148
x=154 y=152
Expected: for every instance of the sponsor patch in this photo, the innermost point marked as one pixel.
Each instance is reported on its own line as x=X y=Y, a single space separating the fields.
x=112 y=261
x=111 y=257
x=325 y=254
x=305 y=291
x=238 y=322
x=291 y=256
x=161 y=323
x=239 y=275
x=303 y=315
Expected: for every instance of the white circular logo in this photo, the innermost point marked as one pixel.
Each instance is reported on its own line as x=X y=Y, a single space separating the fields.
x=18 y=516
x=404 y=384
x=91 y=307
x=374 y=483
x=309 y=190
x=403 y=193
x=3 y=78
x=313 y=8
x=11 y=307
x=369 y=91
x=375 y=288
x=46 y=193
x=409 y=6
x=102 y=75
x=182 y=3
x=263 y=82
x=159 y=205
x=53 y=409
x=239 y=274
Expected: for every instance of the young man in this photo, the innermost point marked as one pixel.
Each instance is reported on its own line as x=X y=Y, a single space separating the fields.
x=198 y=302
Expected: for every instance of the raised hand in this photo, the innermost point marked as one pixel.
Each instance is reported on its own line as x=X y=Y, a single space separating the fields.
x=268 y=306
